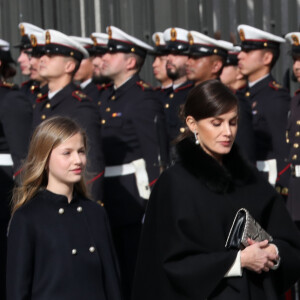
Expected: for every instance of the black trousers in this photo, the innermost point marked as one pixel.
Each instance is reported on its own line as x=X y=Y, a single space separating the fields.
x=126 y=240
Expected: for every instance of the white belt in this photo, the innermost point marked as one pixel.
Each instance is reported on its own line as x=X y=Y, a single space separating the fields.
x=6 y=160
x=137 y=167
x=269 y=166
x=297 y=170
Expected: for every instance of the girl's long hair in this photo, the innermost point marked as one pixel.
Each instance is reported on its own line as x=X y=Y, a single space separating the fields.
x=47 y=136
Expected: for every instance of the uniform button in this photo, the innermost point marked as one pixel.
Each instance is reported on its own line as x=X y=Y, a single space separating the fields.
x=108 y=109
x=294 y=157
x=103 y=122
x=61 y=211
x=247 y=94
x=182 y=129
x=74 y=251
x=39 y=95
x=298 y=122
x=297 y=133
x=113 y=97
x=296 y=145
x=285 y=191
x=92 y=249
x=43 y=117
x=99 y=103
x=100 y=203
x=171 y=96
x=48 y=105
x=79 y=209
x=167 y=105
x=32 y=88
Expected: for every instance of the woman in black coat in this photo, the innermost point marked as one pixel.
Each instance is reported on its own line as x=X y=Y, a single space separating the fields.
x=59 y=242
x=191 y=209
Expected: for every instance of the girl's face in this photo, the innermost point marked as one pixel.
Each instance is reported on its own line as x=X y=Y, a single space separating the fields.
x=67 y=162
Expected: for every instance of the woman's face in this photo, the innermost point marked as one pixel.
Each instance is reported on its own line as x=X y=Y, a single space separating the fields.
x=216 y=135
x=67 y=162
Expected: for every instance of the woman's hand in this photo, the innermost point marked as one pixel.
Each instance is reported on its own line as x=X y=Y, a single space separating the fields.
x=258 y=256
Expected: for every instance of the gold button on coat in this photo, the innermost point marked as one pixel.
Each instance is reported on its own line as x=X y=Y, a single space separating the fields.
x=247 y=94
x=43 y=117
x=294 y=157
x=61 y=211
x=39 y=95
x=92 y=249
x=297 y=133
x=74 y=251
x=298 y=122
x=296 y=145
x=79 y=209
x=99 y=103
x=108 y=109
x=113 y=97
x=171 y=96
x=182 y=129
x=48 y=105
x=167 y=105
x=103 y=122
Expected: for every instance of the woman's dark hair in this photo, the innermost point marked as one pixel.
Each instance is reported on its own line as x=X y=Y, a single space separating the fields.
x=206 y=100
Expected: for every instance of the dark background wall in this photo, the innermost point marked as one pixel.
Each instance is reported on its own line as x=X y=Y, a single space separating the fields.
x=143 y=17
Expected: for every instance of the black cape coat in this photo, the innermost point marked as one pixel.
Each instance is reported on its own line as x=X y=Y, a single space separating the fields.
x=50 y=255
x=182 y=252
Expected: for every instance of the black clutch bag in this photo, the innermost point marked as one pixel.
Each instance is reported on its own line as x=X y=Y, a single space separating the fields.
x=245 y=226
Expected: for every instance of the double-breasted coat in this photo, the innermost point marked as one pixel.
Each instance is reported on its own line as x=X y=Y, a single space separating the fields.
x=182 y=252
x=60 y=250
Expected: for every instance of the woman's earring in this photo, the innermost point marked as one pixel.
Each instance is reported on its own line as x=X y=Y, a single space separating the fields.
x=196 y=138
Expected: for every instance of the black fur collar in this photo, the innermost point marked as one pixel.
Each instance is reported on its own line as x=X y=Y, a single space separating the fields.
x=220 y=179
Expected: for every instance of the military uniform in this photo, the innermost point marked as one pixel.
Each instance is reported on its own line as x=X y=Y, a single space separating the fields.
x=293 y=139
x=172 y=100
x=15 y=123
x=128 y=131
x=75 y=104
x=245 y=134
x=270 y=105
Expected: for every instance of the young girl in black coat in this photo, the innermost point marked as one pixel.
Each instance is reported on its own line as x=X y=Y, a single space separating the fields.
x=59 y=242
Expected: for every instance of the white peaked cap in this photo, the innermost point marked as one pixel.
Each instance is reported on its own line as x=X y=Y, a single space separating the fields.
x=253 y=38
x=158 y=39
x=59 y=43
x=99 y=38
x=120 y=41
x=294 y=39
x=203 y=45
x=4 y=45
x=83 y=41
x=176 y=40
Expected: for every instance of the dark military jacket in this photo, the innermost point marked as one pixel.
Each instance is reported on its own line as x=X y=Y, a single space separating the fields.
x=60 y=250
x=173 y=101
x=92 y=91
x=31 y=88
x=73 y=103
x=130 y=116
x=245 y=134
x=270 y=106
x=293 y=140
